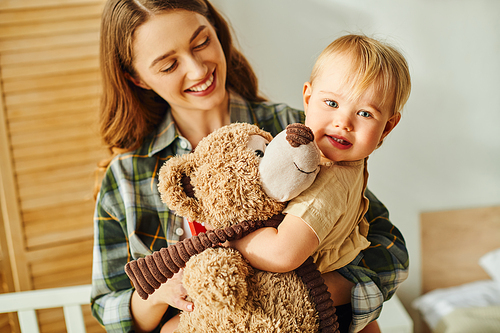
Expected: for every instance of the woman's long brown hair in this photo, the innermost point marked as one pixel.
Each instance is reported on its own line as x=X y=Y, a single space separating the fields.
x=128 y=112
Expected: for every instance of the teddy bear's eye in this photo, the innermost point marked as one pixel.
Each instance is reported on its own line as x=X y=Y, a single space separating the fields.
x=259 y=153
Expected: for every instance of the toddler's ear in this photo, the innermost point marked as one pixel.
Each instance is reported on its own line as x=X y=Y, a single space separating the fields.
x=391 y=123
x=306 y=95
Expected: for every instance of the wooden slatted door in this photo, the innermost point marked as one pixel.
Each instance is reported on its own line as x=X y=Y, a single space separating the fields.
x=50 y=87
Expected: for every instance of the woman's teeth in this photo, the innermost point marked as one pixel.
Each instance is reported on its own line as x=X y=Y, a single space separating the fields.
x=205 y=85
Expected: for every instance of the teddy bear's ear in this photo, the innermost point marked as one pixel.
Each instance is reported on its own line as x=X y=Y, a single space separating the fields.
x=175 y=187
x=188 y=187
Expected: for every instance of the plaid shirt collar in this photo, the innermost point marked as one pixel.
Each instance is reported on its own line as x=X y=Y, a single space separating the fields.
x=167 y=132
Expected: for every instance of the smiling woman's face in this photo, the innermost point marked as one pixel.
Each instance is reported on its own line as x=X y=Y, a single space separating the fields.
x=178 y=55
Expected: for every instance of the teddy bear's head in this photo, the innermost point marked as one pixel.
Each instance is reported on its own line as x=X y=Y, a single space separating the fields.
x=223 y=171
x=228 y=187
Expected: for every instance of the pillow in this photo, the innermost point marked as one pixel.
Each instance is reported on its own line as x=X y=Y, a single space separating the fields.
x=438 y=303
x=490 y=262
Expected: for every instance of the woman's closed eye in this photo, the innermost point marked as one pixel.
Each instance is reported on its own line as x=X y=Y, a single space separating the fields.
x=170 y=68
x=204 y=44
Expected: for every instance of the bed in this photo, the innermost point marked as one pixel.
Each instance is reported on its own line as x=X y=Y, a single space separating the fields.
x=460 y=271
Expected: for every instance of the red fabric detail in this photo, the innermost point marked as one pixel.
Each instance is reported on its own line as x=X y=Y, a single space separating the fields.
x=196 y=228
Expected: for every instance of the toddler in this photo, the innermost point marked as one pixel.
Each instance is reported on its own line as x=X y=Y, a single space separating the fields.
x=353 y=100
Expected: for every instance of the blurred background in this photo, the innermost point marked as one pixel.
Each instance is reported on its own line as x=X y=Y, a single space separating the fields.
x=444 y=154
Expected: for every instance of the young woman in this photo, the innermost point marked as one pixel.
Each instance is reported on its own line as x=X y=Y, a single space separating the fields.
x=171 y=75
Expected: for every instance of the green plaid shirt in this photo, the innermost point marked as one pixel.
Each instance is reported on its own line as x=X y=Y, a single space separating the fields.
x=130 y=221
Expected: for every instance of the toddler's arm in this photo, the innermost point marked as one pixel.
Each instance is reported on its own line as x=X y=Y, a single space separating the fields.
x=279 y=250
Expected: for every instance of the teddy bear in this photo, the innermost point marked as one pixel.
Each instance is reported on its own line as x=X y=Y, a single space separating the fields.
x=238 y=179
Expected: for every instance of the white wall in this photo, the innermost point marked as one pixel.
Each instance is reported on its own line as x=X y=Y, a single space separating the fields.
x=445 y=154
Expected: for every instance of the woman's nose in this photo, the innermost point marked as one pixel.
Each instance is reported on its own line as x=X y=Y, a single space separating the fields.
x=196 y=68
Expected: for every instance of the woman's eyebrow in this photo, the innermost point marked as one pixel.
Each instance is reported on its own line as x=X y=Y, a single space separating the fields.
x=160 y=58
x=197 y=32
x=168 y=54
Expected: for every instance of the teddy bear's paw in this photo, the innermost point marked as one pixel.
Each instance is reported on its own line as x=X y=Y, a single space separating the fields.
x=217 y=277
x=245 y=320
x=285 y=298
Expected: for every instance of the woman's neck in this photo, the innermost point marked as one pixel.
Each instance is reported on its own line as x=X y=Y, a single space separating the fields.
x=194 y=125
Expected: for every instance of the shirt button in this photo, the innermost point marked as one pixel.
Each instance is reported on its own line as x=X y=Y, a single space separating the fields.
x=179 y=231
x=183 y=144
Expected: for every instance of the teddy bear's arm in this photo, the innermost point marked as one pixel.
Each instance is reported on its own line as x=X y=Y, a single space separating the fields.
x=148 y=273
x=310 y=275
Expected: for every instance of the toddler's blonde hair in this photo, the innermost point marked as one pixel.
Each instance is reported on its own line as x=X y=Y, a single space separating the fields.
x=372 y=62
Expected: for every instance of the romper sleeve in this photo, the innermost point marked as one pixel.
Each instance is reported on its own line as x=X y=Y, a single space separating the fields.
x=383 y=267
x=111 y=287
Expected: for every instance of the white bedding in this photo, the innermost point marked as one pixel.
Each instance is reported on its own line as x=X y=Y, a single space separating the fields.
x=448 y=309
x=471 y=320
x=438 y=303
x=490 y=262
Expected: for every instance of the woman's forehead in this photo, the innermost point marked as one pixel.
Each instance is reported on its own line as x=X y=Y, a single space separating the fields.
x=166 y=32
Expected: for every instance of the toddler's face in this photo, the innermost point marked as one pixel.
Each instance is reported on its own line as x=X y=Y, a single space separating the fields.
x=345 y=129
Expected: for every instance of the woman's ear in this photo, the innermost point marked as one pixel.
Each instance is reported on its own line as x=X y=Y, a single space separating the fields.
x=306 y=95
x=137 y=82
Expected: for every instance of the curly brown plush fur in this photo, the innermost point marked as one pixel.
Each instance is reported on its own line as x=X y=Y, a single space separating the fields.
x=216 y=169
x=248 y=301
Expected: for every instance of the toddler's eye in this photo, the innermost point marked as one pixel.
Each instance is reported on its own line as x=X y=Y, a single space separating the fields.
x=364 y=114
x=259 y=153
x=332 y=104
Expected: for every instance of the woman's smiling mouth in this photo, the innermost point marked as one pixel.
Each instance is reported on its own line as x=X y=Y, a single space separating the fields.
x=204 y=86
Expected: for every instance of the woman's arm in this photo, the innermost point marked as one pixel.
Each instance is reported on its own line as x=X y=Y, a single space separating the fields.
x=279 y=250
x=382 y=268
x=111 y=288
x=115 y=304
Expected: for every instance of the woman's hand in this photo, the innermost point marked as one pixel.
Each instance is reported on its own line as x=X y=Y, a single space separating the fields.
x=173 y=293
x=148 y=313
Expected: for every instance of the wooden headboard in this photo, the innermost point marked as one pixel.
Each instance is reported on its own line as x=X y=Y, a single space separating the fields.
x=452 y=243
